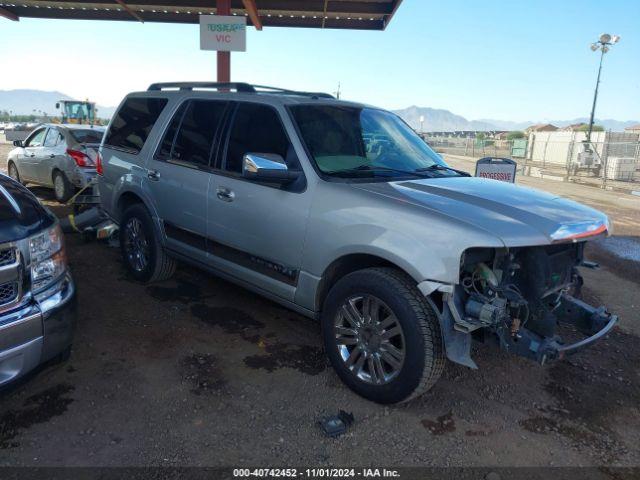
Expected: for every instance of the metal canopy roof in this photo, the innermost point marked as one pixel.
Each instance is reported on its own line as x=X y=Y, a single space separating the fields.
x=343 y=14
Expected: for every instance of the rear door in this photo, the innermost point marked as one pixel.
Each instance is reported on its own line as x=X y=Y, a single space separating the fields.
x=256 y=231
x=179 y=173
x=31 y=154
x=52 y=152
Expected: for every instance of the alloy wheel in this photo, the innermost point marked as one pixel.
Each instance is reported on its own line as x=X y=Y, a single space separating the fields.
x=58 y=186
x=136 y=245
x=369 y=339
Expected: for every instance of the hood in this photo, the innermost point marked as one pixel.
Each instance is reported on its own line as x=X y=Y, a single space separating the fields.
x=519 y=216
x=21 y=215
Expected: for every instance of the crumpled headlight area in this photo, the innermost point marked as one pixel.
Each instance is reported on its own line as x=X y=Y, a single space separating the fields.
x=48 y=258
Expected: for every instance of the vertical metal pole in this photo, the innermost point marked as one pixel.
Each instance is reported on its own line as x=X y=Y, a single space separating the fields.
x=569 y=161
x=223 y=7
x=595 y=95
x=605 y=161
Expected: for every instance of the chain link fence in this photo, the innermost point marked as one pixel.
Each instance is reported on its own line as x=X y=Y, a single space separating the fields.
x=470 y=147
x=609 y=157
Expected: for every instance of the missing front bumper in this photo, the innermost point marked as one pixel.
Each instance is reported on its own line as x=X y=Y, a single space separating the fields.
x=594 y=323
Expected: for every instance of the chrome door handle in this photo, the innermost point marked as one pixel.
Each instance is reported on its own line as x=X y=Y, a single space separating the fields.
x=51 y=155
x=225 y=194
x=153 y=175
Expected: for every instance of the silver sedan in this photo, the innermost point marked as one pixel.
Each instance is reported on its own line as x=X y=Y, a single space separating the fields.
x=59 y=156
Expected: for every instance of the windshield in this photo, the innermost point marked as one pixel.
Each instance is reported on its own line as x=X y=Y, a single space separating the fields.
x=78 y=110
x=365 y=142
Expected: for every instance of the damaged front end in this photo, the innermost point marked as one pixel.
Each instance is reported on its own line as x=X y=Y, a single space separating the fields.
x=518 y=297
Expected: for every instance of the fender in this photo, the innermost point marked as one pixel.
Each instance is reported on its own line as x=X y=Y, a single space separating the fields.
x=132 y=184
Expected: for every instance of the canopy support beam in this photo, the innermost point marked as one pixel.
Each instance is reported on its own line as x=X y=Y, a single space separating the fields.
x=7 y=14
x=223 y=7
x=130 y=11
x=252 y=10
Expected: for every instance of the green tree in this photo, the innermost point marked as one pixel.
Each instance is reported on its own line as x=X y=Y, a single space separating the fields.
x=596 y=128
x=515 y=135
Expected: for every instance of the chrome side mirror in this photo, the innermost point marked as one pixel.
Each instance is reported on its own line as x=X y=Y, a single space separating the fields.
x=267 y=167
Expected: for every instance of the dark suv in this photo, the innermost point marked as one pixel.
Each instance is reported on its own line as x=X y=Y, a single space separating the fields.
x=37 y=294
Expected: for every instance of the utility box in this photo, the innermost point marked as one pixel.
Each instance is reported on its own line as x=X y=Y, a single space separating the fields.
x=621 y=168
x=519 y=148
x=586 y=158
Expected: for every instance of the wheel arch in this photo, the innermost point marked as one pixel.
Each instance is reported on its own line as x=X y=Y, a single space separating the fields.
x=347 y=264
x=54 y=170
x=128 y=198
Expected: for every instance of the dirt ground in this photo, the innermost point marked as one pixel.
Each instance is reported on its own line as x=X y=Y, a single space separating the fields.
x=196 y=371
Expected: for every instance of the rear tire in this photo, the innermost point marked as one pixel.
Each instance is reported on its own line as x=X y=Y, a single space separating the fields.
x=13 y=172
x=399 y=337
x=62 y=188
x=65 y=355
x=142 y=252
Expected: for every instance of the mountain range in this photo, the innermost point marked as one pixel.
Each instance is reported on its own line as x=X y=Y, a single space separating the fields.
x=26 y=102
x=438 y=120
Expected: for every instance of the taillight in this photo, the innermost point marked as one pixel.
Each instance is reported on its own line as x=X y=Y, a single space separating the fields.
x=99 y=169
x=81 y=159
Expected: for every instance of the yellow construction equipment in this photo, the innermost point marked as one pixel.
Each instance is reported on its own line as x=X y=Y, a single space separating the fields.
x=77 y=112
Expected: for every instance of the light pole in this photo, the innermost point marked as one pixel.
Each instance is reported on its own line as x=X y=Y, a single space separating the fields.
x=603 y=44
x=421 y=123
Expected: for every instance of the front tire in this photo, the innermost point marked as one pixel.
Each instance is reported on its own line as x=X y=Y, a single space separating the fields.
x=13 y=172
x=381 y=335
x=142 y=252
x=62 y=188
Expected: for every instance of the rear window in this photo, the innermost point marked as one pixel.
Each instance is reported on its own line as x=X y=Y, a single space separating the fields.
x=87 y=136
x=132 y=124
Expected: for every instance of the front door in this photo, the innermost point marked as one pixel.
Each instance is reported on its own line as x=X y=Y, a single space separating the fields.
x=32 y=151
x=178 y=175
x=256 y=231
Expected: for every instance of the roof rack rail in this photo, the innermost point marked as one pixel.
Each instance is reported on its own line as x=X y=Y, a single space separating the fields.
x=284 y=91
x=238 y=87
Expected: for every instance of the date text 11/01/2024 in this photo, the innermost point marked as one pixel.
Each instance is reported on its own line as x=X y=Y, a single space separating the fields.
x=316 y=472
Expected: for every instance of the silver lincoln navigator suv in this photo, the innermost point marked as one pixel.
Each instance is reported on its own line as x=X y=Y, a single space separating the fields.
x=341 y=212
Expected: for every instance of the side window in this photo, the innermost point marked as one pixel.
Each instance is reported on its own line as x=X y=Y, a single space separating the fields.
x=197 y=132
x=164 y=152
x=256 y=129
x=132 y=124
x=51 y=140
x=36 y=139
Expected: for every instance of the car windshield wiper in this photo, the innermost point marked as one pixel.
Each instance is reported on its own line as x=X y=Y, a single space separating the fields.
x=371 y=168
x=437 y=166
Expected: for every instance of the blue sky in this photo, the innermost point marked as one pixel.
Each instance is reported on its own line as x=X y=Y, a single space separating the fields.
x=511 y=59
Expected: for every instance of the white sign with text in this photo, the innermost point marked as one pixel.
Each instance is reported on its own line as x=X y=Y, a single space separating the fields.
x=504 y=171
x=223 y=33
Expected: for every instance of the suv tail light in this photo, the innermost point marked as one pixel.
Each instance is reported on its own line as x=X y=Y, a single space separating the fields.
x=81 y=159
x=99 y=169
